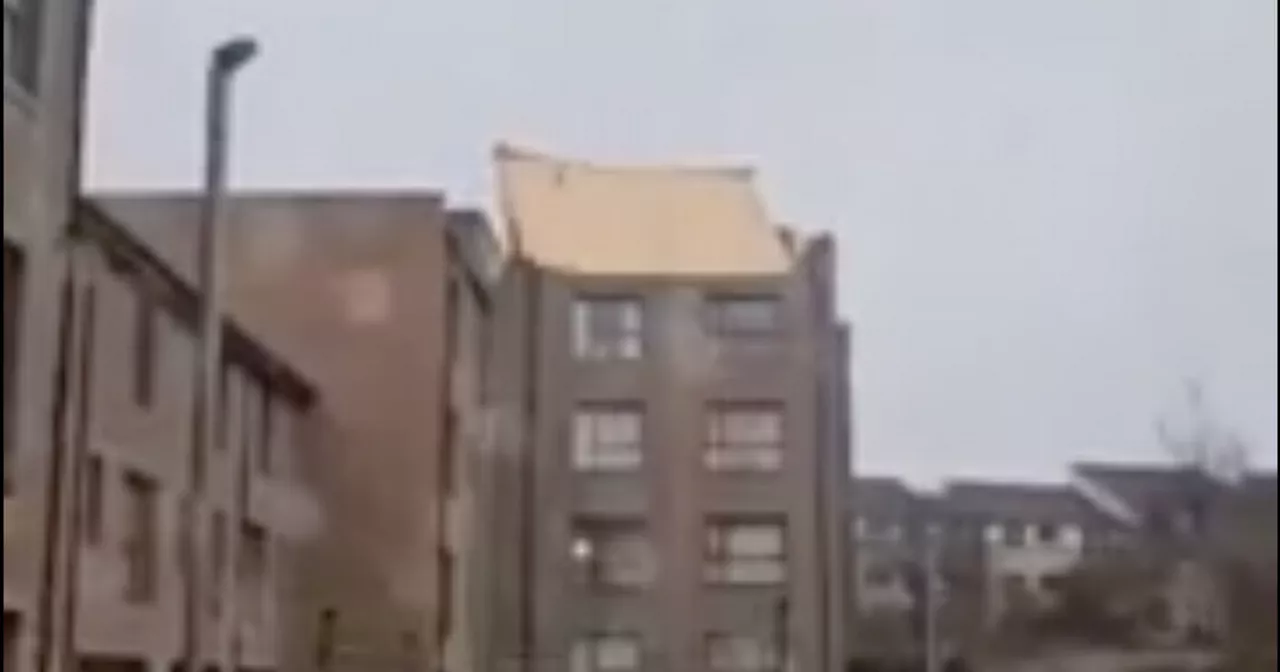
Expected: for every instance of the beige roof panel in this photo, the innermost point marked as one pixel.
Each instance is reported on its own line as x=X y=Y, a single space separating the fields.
x=601 y=220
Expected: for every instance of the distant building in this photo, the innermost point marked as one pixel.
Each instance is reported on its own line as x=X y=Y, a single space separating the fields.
x=888 y=520
x=1187 y=517
x=675 y=396
x=383 y=300
x=45 y=45
x=1019 y=540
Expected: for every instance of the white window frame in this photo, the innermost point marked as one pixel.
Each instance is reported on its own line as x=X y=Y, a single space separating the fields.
x=623 y=341
x=726 y=452
x=608 y=437
x=728 y=563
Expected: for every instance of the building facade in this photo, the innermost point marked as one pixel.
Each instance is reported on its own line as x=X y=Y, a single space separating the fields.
x=674 y=385
x=132 y=392
x=45 y=45
x=383 y=300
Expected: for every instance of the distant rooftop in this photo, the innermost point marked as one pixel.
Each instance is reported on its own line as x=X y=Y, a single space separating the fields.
x=1017 y=501
x=590 y=219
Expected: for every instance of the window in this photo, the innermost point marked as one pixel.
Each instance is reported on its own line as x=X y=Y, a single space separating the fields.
x=217 y=560
x=146 y=327
x=744 y=437
x=253 y=566
x=1048 y=533
x=224 y=404
x=746 y=552
x=447 y=576
x=266 y=432
x=606 y=653
x=607 y=437
x=93 y=500
x=742 y=653
x=140 y=539
x=744 y=322
x=613 y=554
x=608 y=329
x=14 y=284
x=22 y=24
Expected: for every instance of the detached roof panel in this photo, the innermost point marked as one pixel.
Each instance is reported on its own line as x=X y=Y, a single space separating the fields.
x=587 y=219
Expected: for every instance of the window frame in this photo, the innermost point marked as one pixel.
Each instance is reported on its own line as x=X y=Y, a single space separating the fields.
x=146 y=341
x=596 y=571
x=591 y=451
x=623 y=340
x=723 y=567
x=722 y=453
x=141 y=540
x=727 y=330
x=94 y=524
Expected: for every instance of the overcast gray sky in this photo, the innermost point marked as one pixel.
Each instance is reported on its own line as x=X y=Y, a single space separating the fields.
x=1049 y=212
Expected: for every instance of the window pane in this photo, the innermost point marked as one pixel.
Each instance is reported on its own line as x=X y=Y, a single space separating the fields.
x=607 y=439
x=615 y=554
x=746 y=553
x=607 y=328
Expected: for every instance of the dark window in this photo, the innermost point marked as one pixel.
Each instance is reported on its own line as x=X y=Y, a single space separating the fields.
x=94 y=500
x=14 y=285
x=22 y=41
x=744 y=321
x=449 y=452
x=141 y=545
x=218 y=560
x=224 y=405
x=448 y=567
x=12 y=630
x=253 y=566
x=266 y=432
x=146 y=326
x=613 y=553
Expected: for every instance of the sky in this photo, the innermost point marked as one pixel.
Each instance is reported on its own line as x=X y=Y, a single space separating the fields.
x=1050 y=214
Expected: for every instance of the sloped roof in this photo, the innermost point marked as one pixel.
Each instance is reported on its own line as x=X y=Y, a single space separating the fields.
x=590 y=219
x=1017 y=501
x=883 y=498
x=1143 y=488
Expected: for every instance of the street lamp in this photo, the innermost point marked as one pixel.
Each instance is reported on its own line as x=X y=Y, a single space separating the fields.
x=225 y=61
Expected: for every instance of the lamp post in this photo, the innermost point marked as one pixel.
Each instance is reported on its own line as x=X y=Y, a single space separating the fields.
x=225 y=61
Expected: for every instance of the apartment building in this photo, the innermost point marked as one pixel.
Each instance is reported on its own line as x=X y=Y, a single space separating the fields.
x=133 y=397
x=382 y=299
x=44 y=53
x=673 y=396
x=1024 y=538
